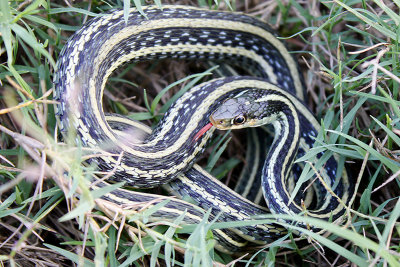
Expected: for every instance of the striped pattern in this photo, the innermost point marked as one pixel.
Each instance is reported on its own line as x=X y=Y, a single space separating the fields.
x=168 y=153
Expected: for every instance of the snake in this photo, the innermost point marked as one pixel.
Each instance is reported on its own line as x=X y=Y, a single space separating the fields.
x=271 y=91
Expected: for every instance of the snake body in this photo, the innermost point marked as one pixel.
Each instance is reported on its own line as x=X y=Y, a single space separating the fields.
x=170 y=150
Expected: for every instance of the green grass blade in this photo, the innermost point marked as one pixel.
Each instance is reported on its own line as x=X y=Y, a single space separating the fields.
x=106 y=189
x=391 y=164
x=71 y=256
x=392 y=135
x=393 y=219
x=31 y=41
x=357 y=12
x=54 y=11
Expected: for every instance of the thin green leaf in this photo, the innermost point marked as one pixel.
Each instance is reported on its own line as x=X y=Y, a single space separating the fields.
x=136 y=253
x=213 y=160
x=71 y=256
x=393 y=218
x=166 y=89
x=127 y=6
x=31 y=41
x=189 y=85
x=394 y=16
x=138 y=5
x=112 y=242
x=41 y=21
x=30 y=9
x=149 y=211
x=391 y=164
x=7 y=39
x=106 y=189
x=8 y=212
x=357 y=12
x=155 y=252
x=48 y=193
x=140 y=116
x=80 y=210
x=392 y=135
x=73 y=10
x=158 y=3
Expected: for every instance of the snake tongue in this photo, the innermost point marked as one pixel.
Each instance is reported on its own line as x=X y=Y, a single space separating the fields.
x=202 y=131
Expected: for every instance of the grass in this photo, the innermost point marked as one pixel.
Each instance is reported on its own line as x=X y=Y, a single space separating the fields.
x=349 y=53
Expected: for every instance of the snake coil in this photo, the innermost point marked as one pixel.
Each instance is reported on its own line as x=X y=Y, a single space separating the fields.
x=168 y=154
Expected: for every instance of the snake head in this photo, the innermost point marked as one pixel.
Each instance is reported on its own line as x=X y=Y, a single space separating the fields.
x=250 y=108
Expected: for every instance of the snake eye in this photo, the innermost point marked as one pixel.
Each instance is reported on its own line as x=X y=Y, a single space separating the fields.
x=239 y=119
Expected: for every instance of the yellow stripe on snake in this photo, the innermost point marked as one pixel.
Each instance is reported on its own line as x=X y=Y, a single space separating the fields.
x=273 y=94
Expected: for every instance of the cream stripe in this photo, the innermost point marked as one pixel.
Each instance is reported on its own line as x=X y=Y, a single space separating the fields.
x=253 y=172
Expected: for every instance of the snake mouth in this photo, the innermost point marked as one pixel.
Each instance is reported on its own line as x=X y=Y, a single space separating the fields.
x=203 y=131
x=220 y=124
x=213 y=121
